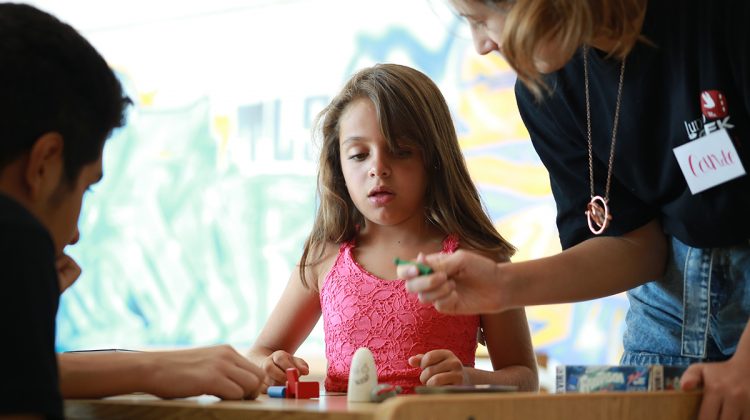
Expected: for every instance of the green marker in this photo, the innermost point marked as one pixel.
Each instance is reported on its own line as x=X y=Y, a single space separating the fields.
x=423 y=269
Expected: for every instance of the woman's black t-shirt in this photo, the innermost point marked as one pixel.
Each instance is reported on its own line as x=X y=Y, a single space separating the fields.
x=696 y=51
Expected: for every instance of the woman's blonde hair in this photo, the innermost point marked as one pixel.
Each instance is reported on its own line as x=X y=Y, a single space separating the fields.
x=409 y=107
x=530 y=24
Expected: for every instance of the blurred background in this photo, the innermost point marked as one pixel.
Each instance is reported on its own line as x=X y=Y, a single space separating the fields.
x=209 y=190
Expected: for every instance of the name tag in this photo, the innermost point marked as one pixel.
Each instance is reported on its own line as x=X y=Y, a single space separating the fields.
x=709 y=161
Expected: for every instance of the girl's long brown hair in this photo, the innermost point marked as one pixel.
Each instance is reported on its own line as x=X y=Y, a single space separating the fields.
x=532 y=23
x=409 y=106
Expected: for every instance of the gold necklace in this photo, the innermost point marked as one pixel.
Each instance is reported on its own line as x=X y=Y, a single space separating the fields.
x=597 y=211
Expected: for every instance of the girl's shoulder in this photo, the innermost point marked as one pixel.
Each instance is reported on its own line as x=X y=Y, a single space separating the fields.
x=328 y=253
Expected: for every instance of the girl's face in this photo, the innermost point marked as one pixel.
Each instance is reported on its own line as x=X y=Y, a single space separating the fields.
x=387 y=187
x=487 y=23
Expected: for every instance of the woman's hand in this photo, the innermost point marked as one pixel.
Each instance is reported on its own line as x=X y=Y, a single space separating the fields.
x=726 y=390
x=462 y=283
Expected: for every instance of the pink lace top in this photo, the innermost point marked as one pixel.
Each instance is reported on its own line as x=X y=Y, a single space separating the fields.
x=362 y=310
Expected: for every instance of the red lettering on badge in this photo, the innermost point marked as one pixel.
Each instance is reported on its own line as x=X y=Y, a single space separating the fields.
x=711 y=162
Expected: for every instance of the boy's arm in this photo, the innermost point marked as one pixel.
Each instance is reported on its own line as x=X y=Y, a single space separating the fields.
x=219 y=371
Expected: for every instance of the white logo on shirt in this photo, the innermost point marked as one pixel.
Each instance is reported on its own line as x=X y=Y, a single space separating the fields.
x=708 y=102
x=700 y=127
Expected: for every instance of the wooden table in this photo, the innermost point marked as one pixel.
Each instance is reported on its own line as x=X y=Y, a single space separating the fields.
x=148 y=407
x=666 y=405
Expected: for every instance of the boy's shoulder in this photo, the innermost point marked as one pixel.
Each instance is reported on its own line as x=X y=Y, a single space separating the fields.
x=23 y=234
x=15 y=218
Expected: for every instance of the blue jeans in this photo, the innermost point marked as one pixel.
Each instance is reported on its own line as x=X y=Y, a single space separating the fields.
x=695 y=313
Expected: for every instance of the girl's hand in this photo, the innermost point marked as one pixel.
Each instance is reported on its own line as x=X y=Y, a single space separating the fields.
x=276 y=364
x=439 y=367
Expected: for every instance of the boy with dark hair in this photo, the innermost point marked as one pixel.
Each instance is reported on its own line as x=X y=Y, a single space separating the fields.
x=59 y=102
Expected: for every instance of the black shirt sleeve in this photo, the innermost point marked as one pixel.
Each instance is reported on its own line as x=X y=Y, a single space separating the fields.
x=31 y=295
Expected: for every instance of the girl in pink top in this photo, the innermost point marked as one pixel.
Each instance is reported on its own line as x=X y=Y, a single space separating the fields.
x=392 y=183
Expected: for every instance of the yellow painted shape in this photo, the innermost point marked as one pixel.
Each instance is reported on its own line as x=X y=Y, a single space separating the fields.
x=488 y=65
x=615 y=344
x=147 y=98
x=557 y=321
x=222 y=127
x=524 y=178
x=532 y=231
x=491 y=115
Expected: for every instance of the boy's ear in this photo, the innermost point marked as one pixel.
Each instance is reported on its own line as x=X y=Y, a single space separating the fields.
x=44 y=170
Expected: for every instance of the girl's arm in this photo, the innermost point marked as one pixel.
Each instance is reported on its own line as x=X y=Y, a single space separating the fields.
x=291 y=321
x=511 y=352
x=509 y=344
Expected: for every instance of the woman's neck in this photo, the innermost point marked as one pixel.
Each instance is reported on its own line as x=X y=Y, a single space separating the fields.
x=606 y=45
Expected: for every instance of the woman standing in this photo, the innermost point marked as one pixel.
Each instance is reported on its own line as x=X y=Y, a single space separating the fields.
x=640 y=112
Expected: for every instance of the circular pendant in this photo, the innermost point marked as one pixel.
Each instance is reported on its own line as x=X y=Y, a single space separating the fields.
x=597 y=212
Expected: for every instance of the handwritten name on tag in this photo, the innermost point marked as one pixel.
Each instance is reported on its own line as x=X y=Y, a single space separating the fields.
x=709 y=161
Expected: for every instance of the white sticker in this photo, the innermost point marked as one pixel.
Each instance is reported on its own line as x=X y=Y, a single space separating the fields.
x=709 y=161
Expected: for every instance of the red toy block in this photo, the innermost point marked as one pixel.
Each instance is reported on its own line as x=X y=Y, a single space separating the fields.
x=292 y=379
x=297 y=389
x=292 y=375
x=307 y=390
